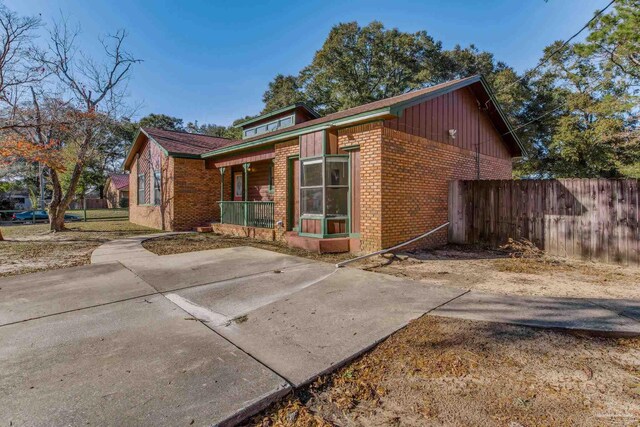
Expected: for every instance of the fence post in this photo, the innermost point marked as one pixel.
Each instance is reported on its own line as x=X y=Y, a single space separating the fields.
x=84 y=208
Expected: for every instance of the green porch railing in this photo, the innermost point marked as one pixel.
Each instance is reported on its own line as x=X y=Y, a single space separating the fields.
x=250 y=214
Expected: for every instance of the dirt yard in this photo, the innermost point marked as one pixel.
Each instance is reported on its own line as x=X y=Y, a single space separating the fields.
x=465 y=267
x=496 y=271
x=31 y=248
x=449 y=372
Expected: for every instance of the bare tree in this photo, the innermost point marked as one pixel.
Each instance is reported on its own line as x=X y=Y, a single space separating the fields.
x=95 y=93
x=16 y=68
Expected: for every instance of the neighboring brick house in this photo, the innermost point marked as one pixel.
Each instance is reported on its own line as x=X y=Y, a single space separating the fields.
x=361 y=179
x=117 y=190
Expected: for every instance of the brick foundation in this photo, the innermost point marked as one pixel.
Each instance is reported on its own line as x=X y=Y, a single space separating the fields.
x=242 y=231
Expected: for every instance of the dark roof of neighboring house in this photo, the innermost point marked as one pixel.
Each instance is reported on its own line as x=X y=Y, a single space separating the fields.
x=401 y=101
x=120 y=180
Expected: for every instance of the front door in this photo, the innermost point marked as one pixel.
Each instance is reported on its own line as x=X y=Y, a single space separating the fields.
x=238 y=186
x=294 y=195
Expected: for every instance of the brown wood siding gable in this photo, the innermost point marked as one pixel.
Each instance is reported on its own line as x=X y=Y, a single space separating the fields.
x=457 y=110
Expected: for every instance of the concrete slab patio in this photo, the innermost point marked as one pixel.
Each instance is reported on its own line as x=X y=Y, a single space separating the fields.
x=35 y=295
x=138 y=362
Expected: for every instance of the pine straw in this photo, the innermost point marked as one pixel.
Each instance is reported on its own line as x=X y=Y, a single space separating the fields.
x=453 y=372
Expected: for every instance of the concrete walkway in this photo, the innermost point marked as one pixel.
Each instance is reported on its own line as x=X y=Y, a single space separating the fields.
x=211 y=337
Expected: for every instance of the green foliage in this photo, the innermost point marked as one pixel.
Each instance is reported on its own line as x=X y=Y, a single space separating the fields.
x=357 y=65
x=214 y=130
x=615 y=39
x=282 y=91
x=590 y=128
x=161 y=121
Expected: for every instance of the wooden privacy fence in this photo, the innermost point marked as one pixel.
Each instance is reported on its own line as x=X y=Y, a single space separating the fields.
x=594 y=219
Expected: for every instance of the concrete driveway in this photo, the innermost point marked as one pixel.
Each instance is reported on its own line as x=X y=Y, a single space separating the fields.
x=192 y=339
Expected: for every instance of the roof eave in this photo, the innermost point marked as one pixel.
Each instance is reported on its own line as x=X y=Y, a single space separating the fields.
x=505 y=119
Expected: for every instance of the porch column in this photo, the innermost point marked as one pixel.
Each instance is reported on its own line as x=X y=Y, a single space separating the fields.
x=245 y=168
x=221 y=194
x=221 y=183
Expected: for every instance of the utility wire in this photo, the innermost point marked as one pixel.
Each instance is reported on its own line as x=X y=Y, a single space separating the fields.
x=547 y=58
x=559 y=49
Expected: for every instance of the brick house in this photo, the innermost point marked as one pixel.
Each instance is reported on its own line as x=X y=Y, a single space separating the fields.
x=361 y=179
x=117 y=190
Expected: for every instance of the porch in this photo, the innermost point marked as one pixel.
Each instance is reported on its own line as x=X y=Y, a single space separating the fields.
x=247 y=192
x=247 y=213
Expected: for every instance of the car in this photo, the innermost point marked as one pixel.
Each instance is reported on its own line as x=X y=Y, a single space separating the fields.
x=41 y=215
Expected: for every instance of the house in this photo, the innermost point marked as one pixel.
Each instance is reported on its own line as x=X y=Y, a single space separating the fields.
x=361 y=179
x=117 y=190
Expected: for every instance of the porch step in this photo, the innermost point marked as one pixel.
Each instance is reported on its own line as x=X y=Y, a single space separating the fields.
x=323 y=246
x=205 y=229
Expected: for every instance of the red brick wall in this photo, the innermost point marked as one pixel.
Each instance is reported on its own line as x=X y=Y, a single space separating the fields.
x=369 y=138
x=415 y=176
x=197 y=192
x=155 y=216
x=189 y=195
x=280 y=172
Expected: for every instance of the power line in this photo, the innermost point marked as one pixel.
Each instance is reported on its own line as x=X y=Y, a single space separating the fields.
x=547 y=58
x=558 y=50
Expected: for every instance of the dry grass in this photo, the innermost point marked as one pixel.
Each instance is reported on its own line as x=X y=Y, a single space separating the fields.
x=31 y=248
x=204 y=241
x=440 y=371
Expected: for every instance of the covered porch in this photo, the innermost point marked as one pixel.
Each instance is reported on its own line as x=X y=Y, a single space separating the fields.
x=247 y=191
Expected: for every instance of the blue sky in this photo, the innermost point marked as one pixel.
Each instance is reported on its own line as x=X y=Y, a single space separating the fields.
x=211 y=60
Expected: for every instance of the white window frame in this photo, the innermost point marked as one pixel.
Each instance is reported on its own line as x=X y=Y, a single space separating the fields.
x=141 y=179
x=157 y=179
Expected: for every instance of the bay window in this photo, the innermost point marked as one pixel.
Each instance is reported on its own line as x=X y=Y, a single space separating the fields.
x=324 y=186
x=311 y=187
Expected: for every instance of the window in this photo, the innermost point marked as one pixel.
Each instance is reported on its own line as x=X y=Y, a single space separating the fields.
x=141 y=191
x=311 y=187
x=337 y=183
x=269 y=127
x=157 y=194
x=324 y=186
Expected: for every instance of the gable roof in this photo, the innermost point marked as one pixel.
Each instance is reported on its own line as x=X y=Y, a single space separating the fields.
x=387 y=108
x=120 y=181
x=176 y=143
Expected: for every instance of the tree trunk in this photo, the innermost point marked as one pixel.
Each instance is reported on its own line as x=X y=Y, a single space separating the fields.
x=1 y=238
x=56 y=218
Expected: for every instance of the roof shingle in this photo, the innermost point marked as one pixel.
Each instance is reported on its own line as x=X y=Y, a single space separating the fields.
x=120 y=180
x=186 y=143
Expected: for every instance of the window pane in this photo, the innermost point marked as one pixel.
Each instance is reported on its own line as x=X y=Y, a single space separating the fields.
x=311 y=201
x=272 y=126
x=337 y=201
x=287 y=121
x=311 y=173
x=156 y=187
x=337 y=172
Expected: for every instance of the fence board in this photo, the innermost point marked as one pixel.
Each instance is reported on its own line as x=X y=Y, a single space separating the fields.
x=596 y=219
